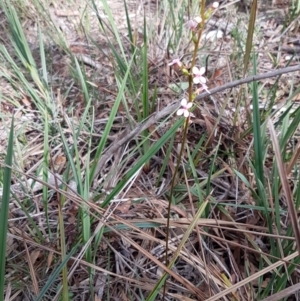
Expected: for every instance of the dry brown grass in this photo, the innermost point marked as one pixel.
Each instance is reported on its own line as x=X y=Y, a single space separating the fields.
x=229 y=253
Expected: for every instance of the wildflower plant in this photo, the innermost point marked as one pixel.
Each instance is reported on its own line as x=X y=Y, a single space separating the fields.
x=197 y=83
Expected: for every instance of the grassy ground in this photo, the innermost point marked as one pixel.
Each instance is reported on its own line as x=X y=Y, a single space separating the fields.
x=107 y=192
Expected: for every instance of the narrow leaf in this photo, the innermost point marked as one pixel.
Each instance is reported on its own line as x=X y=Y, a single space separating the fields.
x=4 y=208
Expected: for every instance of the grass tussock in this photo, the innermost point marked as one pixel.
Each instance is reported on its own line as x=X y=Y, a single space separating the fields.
x=112 y=188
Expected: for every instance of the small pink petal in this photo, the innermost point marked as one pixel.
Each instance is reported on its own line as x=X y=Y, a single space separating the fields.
x=180 y=112
x=202 y=80
x=186 y=113
x=205 y=88
x=202 y=70
x=192 y=24
x=198 y=19
x=196 y=80
x=189 y=105
x=175 y=62
x=215 y=5
x=184 y=102
x=195 y=70
x=199 y=79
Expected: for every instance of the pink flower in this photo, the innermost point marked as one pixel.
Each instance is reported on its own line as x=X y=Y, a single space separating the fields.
x=203 y=87
x=193 y=23
x=185 y=106
x=176 y=62
x=199 y=78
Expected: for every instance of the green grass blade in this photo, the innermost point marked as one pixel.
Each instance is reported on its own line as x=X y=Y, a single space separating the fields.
x=145 y=74
x=246 y=182
x=129 y=29
x=86 y=218
x=212 y=166
x=4 y=208
x=63 y=251
x=290 y=129
x=250 y=35
x=258 y=145
x=199 y=191
x=43 y=59
x=145 y=96
x=55 y=274
x=45 y=168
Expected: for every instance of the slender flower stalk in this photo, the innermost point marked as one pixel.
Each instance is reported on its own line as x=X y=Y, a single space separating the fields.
x=195 y=78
